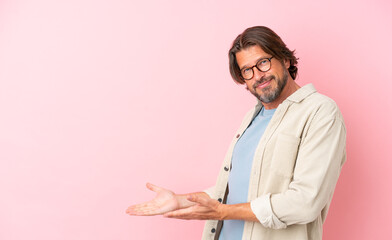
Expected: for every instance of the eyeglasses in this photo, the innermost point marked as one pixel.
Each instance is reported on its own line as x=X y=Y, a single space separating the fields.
x=263 y=65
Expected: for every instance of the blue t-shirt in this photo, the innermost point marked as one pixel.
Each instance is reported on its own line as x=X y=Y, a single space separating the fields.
x=241 y=163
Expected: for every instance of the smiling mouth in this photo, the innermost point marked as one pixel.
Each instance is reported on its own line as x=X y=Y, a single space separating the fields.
x=263 y=84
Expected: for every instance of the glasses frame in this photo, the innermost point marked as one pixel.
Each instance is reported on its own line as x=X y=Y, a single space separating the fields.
x=253 y=72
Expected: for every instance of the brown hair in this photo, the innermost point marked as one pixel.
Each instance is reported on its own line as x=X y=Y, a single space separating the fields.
x=269 y=41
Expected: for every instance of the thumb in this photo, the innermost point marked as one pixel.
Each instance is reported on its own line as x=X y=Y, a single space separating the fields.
x=153 y=188
x=199 y=199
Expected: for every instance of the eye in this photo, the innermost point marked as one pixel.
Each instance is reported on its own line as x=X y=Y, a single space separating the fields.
x=262 y=62
x=246 y=71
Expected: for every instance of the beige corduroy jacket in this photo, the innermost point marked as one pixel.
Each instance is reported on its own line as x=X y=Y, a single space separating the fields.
x=295 y=169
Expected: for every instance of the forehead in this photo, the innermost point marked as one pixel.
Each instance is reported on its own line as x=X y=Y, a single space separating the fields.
x=249 y=56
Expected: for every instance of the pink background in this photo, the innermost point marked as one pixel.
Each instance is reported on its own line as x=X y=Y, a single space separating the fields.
x=99 y=97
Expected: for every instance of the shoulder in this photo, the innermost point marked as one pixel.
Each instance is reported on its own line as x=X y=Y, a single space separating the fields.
x=321 y=105
x=306 y=100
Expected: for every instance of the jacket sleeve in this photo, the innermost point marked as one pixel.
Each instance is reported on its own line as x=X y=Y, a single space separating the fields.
x=210 y=191
x=321 y=155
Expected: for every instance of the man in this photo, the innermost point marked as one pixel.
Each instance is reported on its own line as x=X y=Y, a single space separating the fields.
x=279 y=174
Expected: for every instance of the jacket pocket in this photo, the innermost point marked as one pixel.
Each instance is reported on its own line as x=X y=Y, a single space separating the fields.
x=285 y=155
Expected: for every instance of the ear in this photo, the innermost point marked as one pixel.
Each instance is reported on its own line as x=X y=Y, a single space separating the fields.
x=286 y=63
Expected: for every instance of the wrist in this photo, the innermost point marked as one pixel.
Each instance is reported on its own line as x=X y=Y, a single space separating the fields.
x=182 y=201
x=241 y=211
x=224 y=210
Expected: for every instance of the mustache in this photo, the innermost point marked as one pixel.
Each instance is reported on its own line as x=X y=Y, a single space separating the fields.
x=262 y=80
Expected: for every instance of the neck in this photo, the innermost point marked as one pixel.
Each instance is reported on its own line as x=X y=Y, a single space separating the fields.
x=290 y=88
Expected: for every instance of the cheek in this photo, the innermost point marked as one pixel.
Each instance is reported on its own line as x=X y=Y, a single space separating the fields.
x=275 y=78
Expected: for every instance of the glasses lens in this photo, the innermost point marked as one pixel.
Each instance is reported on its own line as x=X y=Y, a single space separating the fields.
x=247 y=73
x=263 y=65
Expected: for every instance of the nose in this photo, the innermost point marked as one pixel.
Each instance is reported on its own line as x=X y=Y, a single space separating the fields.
x=257 y=74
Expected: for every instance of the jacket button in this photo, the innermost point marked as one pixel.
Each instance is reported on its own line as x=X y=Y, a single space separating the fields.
x=226 y=169
x=220 y=200
x=238 y=135
x=213 y=230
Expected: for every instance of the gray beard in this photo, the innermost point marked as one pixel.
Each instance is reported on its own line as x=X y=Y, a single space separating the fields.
x=270 y=96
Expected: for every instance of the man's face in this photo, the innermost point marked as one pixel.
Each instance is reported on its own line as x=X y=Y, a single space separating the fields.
x=265 y=86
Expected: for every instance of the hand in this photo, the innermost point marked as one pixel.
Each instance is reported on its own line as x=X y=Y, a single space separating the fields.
x=165 y=201
x=205 y=208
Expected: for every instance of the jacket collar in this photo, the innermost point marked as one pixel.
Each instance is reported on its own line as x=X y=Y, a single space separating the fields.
x=302 y=93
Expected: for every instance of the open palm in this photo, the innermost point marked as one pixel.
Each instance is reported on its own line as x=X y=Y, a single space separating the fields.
x=165 y=201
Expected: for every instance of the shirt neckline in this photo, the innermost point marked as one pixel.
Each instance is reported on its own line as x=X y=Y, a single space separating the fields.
x=267 y=112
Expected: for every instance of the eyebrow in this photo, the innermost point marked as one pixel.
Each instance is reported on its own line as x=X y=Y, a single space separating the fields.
x=247 y=66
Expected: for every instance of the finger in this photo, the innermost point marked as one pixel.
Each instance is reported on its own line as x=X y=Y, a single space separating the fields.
x=145 y=210
x=199 y=199
x=181 y=213
x=144 y=213
x=141 y=207
x=153 y=187
x=138 y=209
x=133 y=210
x=190 y=213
